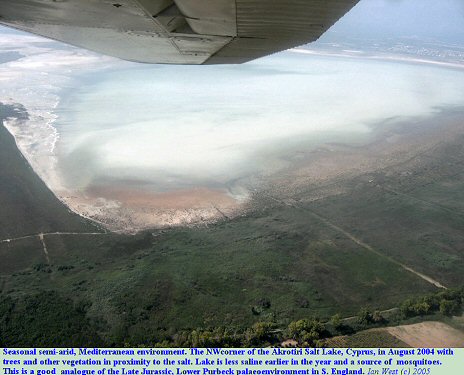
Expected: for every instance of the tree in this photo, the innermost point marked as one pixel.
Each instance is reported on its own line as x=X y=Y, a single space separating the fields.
x=377 y=317
x=421 y=308
x=449 y=308
x=336 y=321
x=364 y=316
x=306 y=331
x=259 y=333
x=406 y=308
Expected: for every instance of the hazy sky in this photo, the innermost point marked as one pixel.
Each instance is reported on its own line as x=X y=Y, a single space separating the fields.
x=426 y=19
x=432 y=19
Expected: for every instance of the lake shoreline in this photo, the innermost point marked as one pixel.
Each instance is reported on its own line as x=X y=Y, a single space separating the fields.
x=320 y=166
x=208 y=156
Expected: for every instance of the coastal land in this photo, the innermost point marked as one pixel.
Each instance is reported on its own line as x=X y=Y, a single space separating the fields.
x=345 y=225
x=28 y=206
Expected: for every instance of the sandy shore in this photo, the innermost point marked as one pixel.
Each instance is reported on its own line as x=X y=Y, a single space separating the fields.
x=320 y=170
x=132 y=210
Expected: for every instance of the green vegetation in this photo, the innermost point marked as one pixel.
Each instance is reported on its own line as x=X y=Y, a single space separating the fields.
x=281 y=271
x=449 y=302
x=412 y=212
x=45 y=319
x=48 y=319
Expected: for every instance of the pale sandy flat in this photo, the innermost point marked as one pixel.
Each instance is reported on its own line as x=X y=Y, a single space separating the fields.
x=179 y=199
x=132 y=210
x=429 y=335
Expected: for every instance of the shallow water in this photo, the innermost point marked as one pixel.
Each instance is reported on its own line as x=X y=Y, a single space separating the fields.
x=163 y=128
x=9 y=56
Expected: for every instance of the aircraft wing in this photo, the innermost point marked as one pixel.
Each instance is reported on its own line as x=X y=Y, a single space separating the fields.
x=177 y=31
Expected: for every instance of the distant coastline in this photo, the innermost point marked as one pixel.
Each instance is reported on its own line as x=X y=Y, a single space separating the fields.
x=378 y=56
